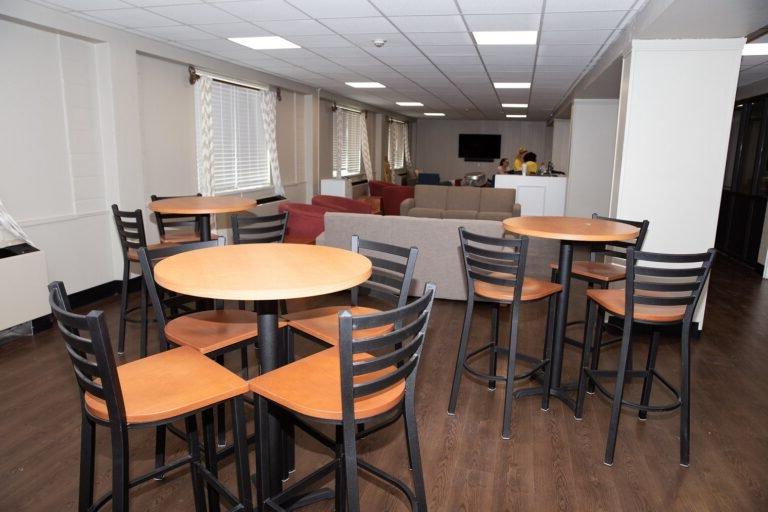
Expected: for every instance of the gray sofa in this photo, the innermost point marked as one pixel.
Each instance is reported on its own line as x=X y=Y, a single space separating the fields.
x=481 y=203
x=439 y=257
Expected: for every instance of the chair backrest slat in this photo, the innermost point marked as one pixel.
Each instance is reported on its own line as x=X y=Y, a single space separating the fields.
x=130 y=229
x=495 y=261
x=258 y=229
x=389 y=379
x=391 y=273
x=618 y=249
x=174 y=222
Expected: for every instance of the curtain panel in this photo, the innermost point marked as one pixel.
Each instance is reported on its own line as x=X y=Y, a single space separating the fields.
x=365 y=148
x=269 y=117
x=8 y=224
x=204 y=138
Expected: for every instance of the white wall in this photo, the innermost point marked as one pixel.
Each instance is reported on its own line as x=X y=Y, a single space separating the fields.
x=561 y=144
x=437 y=144
x=593 y=144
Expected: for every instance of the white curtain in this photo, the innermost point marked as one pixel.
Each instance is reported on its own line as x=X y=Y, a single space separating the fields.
x=365 y=148
x=338 y=140
x=406 y=149
x=11 y=226
x=204 y=129
x=269 y=117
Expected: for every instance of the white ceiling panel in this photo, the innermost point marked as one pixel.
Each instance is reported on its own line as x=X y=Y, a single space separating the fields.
x=388 y=51
x=575 y=36
x=559 y=60
x=449 y=50
x=503 y=22
x=263 y=10
x=132 y=18
x=457 y=61
x=582 y=20
x=152 y=3
x=411 y=7
x=177 y=33
x=88 y=5
x=440 y=38
x=429 y=23
x=500 y=6
x=374 y=25
x=589 y=5
x=222 y=47
x=336 y=8
x=239 y=29
x=366 y=40
x=327 y=41
x=409 y=60
x=193 y=14
x=568 y=50
x=511 y=76
x=294 y=28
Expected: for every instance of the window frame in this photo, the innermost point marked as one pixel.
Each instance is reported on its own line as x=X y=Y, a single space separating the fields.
x=338 y=172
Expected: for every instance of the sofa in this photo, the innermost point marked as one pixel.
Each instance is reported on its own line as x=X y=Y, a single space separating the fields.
x=391 y=195
x=341 y=204
x=305 y=222
x=481 y=203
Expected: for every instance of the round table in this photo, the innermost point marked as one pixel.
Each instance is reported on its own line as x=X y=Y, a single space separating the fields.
x=265 y=273
x=569 y=230
x=203 y=206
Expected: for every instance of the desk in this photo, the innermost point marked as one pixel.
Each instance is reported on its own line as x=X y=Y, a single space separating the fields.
x=537 y=195
x=204 y=206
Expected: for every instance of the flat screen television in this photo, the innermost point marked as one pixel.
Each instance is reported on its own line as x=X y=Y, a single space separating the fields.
x=477 y=147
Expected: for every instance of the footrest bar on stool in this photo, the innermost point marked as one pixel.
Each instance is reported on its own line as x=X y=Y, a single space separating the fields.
x=295 y=492
x=391 y=480
x=593 y=376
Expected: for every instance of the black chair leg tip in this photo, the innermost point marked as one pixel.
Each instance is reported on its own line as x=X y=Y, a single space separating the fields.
x=577 y=418
x=590 y=392
x=159 y=478
x=451 y=413
x=545 y=410
x=506 y=438
x=609 y=464
x=685 y=465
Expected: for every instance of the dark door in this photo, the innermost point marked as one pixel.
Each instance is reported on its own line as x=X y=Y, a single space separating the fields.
x=745 y=187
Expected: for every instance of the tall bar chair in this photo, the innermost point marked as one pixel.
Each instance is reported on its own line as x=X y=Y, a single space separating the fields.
x=362 y=379
x=662 y=290
x=178 y=227
x=495 y=270
x=126 y=398
x=130 y=231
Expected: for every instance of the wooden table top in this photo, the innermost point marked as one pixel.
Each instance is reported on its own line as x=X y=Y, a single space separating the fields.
x=200 y=205
x=263 y=271
x=576 y=229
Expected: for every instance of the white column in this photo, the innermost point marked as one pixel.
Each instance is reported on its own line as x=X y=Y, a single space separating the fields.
x=593 y=143
x=561 y=144
x=677 y=98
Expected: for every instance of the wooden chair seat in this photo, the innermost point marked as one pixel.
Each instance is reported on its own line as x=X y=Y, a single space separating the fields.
x=613 y=301
x=533 y=289
x=312 y=387
x=170 y=384
x=595 y=271
x=208 y=331
x=323 y=323
x=183 y=237
x=133 y=254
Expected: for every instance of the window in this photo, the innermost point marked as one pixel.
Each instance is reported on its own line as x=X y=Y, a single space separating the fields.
x=346 y=142
x=240 y=156
x=396 y=151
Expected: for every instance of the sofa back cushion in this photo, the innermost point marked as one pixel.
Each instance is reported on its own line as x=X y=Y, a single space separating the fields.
x=463 y=198
x=497 y=199
x=431 y=196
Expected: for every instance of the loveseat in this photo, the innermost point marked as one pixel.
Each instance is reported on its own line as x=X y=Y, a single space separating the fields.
x=391 y=195
x=481 y=203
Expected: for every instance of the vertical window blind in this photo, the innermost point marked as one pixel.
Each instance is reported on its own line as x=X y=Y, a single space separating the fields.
x=347 y=141
x=396 y=143
x=240 y=156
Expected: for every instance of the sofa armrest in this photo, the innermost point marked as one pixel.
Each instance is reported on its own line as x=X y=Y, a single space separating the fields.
x=406 y=206
x=516 y=210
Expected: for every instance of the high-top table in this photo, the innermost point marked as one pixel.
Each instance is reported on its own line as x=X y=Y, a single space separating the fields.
x=570 y=231
x=265 y=273
x=203 y=206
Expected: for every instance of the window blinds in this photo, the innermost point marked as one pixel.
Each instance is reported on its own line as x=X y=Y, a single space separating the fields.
x=396 y=150
x=347 y=141
x=240 y=157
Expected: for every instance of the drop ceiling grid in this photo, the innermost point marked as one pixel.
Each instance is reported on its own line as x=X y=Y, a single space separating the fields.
x=430 y=55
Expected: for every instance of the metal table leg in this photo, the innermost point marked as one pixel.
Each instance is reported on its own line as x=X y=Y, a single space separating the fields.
x=205 y=228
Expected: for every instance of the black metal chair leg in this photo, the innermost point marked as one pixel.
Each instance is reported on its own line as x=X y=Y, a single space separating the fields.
x=649 y=367
x=685 y=396
x=414 y=451
x=193 y=445
x=492 y=359
x=240 y=440
x=595 y=349
x=408 y=445
x=548 y=341
x=160 y=449
x=221 y=426
x=123 y=310
x=351 y=487
x=613 y=428
x=593 y=313
x=261 y=480
x=211 y=459
x=340 y=495
x=144 y=320
x=244 y=360
x=461 y=354
x=120 y=475
x=510 y=390
x=87 y=463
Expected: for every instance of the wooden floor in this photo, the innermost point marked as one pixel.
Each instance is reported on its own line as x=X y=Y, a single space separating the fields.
x=552 y=461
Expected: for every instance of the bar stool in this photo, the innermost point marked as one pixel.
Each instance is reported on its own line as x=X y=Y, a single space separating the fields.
x=127 y=397
x=179 y=228
x=130 y=231
x=494 y=270
x=362 y=379
x=664 y=291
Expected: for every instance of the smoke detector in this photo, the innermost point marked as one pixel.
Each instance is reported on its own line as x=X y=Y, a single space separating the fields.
x=378 y=43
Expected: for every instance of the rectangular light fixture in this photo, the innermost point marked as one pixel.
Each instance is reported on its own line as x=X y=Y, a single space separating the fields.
x=366 y=85
x=517 y=116
x=434 y=114
x=264 y=43
x=514 y=105
x=409 y=103
x=506 y=37
x=512 y=85
x=755 y=49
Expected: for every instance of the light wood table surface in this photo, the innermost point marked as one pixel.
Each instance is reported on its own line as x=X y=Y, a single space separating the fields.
x=265 y=273
x=204 y=206
x=569 y=230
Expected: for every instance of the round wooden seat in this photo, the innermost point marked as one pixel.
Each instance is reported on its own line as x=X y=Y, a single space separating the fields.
x=133 y=254
x=613 y=301
x=533 y=289
x=595 y=271
x=312 y=387
x=323 y=323
x=208 y=331
x=170 y=384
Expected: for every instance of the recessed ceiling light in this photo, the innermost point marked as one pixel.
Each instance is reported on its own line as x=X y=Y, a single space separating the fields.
x=434 y=114
x=512 y=85
x=755 y=49
x=514 y=105
x=409 y=103
x=366 y=85
x=264 y=43
x=518 y=116
x=506 y=37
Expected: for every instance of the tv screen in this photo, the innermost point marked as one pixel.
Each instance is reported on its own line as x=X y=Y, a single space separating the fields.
x=479 y=147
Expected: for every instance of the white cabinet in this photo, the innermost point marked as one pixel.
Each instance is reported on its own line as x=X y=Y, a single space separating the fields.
x=23 y=288
x=336 y=187
x=537 y=195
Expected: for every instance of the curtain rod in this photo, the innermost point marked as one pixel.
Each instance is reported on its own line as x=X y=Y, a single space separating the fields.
x=342 y=107
x=195 y=74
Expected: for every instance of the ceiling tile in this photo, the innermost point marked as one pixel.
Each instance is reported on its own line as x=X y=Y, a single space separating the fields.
x=429 y=23
x=153 y=3
x=361 y=25
x=560 y=60
x=588 y=5
x=263 y=10
x=510 y=76
x=365 y=40
x=575 y=36
x=328 y=41
x=440 y=38
x=194 y=14
x=458 y=61
x=336 y=8
x=294 y=28
x=409 y=60
x=177 y=33
x=582 y=20
x=503 y=22
x=222 y=47
x=449 y=50
x=411 y=7
x=500 y=6
x=409 y=50
x=568 y=50
x=239 y=29
x=132 y=18
x=752 y=60
x=88 y=5
x=292 y=54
